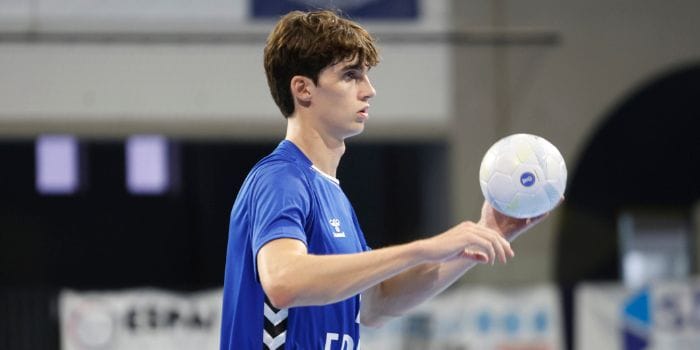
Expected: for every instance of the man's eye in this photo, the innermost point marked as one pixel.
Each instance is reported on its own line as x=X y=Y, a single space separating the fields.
x=351 y=75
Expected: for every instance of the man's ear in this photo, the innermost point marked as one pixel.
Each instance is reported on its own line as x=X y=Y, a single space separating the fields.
x=301 y=88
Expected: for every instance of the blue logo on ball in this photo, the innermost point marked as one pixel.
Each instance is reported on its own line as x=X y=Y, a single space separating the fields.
x=527 y=179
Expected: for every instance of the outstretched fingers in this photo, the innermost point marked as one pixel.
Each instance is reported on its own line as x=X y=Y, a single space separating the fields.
x=487 y=248
x=492 y=245
x=501 y=245
x=475 y=255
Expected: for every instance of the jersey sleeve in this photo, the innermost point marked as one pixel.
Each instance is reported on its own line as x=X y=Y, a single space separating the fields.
x=281 y=206
x=360 y=234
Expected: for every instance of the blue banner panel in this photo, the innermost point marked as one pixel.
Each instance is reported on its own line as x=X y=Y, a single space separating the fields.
x=355 y=9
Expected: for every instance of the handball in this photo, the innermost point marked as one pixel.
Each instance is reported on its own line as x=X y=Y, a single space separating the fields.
x=523 y=176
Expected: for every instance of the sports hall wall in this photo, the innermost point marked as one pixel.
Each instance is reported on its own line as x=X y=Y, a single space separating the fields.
x=451 y=82
x=471 y=72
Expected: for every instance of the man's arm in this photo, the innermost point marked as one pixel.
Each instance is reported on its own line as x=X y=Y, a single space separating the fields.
x=395 y=296
x=398 y=294
x=292 y=277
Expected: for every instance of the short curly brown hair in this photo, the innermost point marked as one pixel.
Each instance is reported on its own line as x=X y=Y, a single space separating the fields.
x=304 y=43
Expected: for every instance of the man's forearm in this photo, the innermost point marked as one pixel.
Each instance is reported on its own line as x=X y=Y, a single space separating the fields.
x=294 y=278
x=406 y=290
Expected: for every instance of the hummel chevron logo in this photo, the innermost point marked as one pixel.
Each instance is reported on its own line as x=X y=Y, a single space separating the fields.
x=276 y=342
x=275 y=317
x=275 y=329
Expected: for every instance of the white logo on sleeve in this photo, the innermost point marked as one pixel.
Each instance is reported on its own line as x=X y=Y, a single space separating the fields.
x=337 y=233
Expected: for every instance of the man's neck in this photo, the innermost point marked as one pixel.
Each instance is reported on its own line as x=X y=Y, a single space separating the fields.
x=323 y=151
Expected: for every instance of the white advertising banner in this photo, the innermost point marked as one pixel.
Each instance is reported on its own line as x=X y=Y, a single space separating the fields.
x=527 y=318
x=660 y=315
x=467 y=318
x=139 y=319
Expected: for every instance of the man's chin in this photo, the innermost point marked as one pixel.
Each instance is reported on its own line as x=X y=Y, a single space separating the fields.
x=358 y=130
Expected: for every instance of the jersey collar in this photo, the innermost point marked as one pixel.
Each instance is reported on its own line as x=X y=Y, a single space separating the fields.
x=294 y=152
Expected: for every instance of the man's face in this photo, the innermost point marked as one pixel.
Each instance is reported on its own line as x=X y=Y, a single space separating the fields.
x=341 y=98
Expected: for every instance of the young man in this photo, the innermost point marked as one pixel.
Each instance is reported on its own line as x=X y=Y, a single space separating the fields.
x=297 y=259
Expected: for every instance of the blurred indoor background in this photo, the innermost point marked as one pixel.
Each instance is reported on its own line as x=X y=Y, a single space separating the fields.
x=127 y=127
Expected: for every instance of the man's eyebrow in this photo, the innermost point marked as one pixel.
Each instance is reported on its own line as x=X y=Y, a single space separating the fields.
x=355 y=66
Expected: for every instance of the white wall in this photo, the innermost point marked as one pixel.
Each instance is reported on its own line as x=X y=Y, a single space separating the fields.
x=111 y=81
x=170 y=87
x=88 y=70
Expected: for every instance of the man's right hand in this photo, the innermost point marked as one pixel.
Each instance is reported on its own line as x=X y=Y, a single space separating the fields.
x=467 y=240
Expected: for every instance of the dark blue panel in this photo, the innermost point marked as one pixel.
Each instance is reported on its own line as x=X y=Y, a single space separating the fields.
x=633 y=341
x=371 y=9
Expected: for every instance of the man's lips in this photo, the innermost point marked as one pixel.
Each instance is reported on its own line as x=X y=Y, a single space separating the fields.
x=364 y=112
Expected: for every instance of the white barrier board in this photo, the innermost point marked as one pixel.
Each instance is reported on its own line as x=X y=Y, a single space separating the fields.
x=526 y=318
x=139 y=319
x=661 y=315
x=474 y=318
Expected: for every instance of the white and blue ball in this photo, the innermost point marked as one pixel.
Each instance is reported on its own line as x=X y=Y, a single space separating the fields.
x=523 y=176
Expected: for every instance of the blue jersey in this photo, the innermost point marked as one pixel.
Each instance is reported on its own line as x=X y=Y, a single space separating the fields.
x=285 y=196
